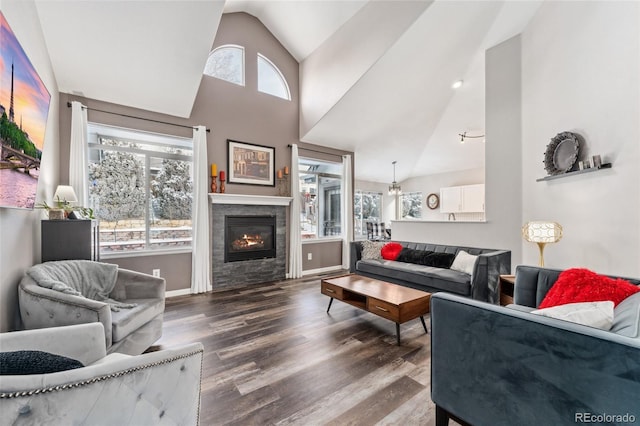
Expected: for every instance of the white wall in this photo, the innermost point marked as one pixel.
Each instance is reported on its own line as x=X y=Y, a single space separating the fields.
x=432 y=183
x=503 y=187
x=580 y=73
x=20 y=229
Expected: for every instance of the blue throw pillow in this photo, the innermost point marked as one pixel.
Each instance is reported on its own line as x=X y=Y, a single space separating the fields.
x=35 y=362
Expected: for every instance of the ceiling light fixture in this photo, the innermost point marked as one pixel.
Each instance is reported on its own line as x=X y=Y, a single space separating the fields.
x=457 y=84
x=464 y=136
x=394 y=188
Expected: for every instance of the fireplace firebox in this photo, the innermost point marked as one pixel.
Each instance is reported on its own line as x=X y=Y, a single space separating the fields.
x=249 y=237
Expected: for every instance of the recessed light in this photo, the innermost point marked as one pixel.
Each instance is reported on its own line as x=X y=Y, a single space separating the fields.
x=457 y=84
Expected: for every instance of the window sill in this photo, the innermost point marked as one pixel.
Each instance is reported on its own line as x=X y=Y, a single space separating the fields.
x=322 y=240
x=143 y=253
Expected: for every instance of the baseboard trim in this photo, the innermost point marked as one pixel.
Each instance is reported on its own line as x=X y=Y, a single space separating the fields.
x=174 y=293
x=322 y=270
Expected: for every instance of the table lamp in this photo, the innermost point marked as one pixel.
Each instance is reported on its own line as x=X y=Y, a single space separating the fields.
x=542 y=233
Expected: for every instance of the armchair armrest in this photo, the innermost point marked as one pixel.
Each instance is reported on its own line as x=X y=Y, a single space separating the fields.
x=42 y=307
x=84 y=342
x=160 y=387
x=486 y=273
x=355 y=255
x=137 y=285
x=527 y=367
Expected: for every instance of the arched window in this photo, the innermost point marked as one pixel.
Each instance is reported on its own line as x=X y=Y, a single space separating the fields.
x=226 y=63
x=271 y=80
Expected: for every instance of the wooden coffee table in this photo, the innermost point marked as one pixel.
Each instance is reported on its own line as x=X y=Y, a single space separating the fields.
x=393 y=302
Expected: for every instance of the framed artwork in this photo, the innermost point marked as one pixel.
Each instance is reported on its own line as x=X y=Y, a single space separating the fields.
x=250 y=164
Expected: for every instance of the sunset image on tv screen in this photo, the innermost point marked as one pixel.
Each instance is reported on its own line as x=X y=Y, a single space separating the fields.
x=24 y=106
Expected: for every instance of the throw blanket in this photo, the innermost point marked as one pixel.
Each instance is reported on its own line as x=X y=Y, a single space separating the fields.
x=93 y=280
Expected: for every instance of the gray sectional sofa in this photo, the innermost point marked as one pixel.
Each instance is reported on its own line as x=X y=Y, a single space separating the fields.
x=482 y=284
x=496 y=365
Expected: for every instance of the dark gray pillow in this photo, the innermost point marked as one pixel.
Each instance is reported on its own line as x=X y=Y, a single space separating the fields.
x=35 y=362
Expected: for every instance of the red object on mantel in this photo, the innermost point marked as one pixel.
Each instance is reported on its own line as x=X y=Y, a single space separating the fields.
x=222 y=177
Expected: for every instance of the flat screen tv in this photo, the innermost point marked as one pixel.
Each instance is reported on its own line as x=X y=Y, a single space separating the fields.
x=24 y=107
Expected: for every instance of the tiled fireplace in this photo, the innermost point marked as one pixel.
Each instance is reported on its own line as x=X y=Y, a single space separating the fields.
x=248 y=235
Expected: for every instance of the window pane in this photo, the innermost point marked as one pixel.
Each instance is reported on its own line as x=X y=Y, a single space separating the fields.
x=308 y=205
x=171 y=203
x=117 y=195
x=271 y=80
x=226 y=63
x=411 y=205
x=321 y=198
x=367 y=208
x=141 y=189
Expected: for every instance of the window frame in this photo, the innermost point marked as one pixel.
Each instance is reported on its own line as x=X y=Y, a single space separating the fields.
x=111 y=132
x=243 y=83
x=321 y=208
x=278 y=72
x=363 y=231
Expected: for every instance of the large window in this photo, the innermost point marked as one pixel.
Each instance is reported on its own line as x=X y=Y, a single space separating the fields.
x=141 y=189
x=411 y=203
x=226 y=63
x=367 y=207
x=321 y=198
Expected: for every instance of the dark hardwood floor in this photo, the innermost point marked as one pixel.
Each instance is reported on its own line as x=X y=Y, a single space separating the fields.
x=274 y=356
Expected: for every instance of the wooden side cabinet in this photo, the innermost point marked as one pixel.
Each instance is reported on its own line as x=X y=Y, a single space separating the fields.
x=69 y=239
x=506 y=289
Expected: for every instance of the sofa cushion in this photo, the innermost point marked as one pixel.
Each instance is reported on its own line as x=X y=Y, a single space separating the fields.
x=35 y=362
x=424 y=276
x=626 y=317
x=593 y=314
x=464 y=262
x=127 y=321
x=372 y=249
x=425 y=257
x=582 y=285
x=390 y=251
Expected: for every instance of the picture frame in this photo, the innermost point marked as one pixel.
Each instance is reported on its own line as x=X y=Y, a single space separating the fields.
x=433 y=201
x=251 y=164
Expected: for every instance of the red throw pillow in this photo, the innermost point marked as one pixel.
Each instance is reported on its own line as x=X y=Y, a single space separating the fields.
x=390 y=251
x=582 y=285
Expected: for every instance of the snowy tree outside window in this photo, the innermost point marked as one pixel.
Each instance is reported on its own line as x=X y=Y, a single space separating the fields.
x=141 y=190
x=411 y=205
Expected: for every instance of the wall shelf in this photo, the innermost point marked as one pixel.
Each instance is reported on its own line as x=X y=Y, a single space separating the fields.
x=577 y=172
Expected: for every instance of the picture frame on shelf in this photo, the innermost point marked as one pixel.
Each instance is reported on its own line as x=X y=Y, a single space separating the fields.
x=250 y=164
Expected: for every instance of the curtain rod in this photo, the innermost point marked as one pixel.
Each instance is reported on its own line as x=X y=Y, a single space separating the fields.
x=138 y=118
x=318 y=151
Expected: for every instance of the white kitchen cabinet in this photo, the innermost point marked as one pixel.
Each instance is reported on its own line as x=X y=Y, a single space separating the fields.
x=462 y=199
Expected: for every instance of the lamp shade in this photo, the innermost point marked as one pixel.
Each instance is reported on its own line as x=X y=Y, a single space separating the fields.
x=542 y=232
x=65 y=193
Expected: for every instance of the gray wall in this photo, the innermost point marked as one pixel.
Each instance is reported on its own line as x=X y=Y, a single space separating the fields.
x=20 y=229
x=503 y=177
x=229 y=110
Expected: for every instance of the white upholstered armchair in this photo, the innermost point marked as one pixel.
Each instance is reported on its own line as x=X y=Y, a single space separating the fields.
x=129 y=331
x=160 y=387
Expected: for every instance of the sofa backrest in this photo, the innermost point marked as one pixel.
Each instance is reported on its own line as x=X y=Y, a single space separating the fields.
x=441 y=248
x=533 y=282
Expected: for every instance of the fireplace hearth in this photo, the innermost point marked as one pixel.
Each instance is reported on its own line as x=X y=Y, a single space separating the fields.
x=249 y=237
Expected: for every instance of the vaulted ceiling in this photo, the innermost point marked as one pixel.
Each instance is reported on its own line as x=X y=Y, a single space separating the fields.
x=375 y=75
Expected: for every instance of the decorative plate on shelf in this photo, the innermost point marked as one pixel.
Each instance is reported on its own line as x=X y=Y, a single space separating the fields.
x=433 y=201
x=561 y=153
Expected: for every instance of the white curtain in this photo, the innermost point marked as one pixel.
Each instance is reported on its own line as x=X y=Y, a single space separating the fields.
x=78 y=154
x=200 y=259
x=347 y=210
x=295 y=237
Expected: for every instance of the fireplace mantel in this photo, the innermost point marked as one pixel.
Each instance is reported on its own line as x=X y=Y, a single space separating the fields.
x=255 y=200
